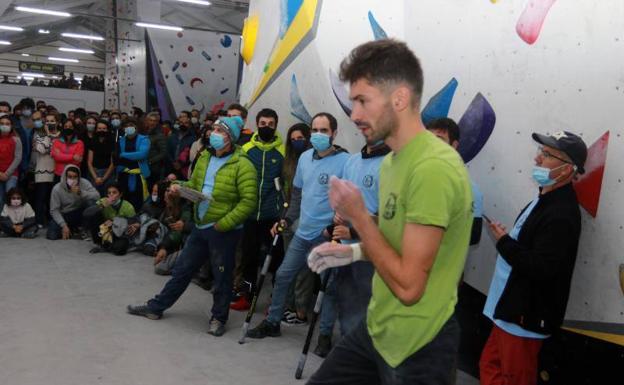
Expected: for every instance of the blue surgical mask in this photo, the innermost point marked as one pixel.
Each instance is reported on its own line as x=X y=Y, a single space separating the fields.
x=320 y=142
x=116 y=122
x=38 y=123
x=299 y=145
x=90 y=127
x=26 y=113
x=176 y=126
x=130 y=131
x=5 y=129
x=542 y=175
x=217 y=141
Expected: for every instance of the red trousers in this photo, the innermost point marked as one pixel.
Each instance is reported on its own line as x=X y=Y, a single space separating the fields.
x=509 y=360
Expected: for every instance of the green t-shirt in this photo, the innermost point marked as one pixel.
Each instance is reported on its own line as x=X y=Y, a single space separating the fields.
x=425 y=183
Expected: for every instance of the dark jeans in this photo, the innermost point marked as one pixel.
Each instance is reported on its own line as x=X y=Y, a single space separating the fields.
x=42 y=202
x=353 y=293
x=219 y=248
x=28 y=231
x=257 y=241
x=354 y=360
x=134 y=197
x=73 y=220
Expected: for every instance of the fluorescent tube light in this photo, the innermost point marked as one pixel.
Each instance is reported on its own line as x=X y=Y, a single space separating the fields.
x=199 y=2
x=43 y=11
x=63 y=59
x=75 y=50
x=44 y=31
x=81 y=36
x=10 y=28
x=159 y=26
x=4 y=42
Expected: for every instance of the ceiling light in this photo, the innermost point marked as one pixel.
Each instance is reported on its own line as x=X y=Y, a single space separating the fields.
x=200 y=2
x=28 y=78
x=44 y=31
x=42 y=11
x=4 y=42
x=78 y=79
x=75 y=50
x=54 y=77
x=9 y=28
x=63 y=59
x=25 y=54
x=32 y=75
x=159 y=26
x=80 y=36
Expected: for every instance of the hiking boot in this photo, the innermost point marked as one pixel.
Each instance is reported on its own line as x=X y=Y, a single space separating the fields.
x=144 y=311
x=323 y=346
x=265 y=329
x=241 y=304
x=216 y=327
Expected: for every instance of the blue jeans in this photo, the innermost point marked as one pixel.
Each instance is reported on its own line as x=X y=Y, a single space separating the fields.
x=328 y=307
x=294 y=260
x=354 y=289
x=100 y=173
x=5 y=187
x=220 y=249
x=354 y=361
x=73 y=220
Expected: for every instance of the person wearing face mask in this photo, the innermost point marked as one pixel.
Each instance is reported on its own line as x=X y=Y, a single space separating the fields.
x=17 y=218
x=100 y=157
x=195 y=121
x=10 y=156
x=158 y=147
x=99 y=221
x=230 y=179
x=131 y=164
x=529 y=291
x=23 y=126
x=67 y=149
x=69 y=199
x=266 y=151
x=115 y=124
x=314 y=169
x=201 y=144
x=179 y=146
x=44 y=167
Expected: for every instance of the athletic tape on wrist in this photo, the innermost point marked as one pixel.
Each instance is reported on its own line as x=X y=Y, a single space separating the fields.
x=357 y=251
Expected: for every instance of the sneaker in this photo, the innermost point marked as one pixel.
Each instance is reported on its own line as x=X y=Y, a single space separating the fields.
x=288 y=314
x=294 y=320
x=216 y=327
x=241 y=305
x=265 y=329
x=144 y=311
x=323 y=346
x=29 y=235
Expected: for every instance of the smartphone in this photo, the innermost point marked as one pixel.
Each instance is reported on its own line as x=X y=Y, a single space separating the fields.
x=487 y=219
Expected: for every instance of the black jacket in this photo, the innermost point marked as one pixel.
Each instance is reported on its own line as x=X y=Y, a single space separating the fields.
x=542 y=261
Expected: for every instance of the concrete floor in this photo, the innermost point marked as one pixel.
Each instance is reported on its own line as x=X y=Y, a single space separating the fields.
x=63 y=322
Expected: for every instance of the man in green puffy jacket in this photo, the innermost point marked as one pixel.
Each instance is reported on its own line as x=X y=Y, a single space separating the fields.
x=230 y=179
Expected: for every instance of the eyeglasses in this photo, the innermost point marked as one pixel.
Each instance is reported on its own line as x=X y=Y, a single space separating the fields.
x=546 y=154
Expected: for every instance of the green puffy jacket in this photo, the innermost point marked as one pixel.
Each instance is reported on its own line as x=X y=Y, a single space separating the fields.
x=235 y=194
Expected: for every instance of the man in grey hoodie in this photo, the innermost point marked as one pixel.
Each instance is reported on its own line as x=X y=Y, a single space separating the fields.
x=68 y=200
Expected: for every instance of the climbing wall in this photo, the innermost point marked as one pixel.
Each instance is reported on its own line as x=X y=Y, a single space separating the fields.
x=197 y=69
x=501 y=68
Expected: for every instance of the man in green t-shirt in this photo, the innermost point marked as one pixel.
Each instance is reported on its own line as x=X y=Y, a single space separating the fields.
x=418 y=247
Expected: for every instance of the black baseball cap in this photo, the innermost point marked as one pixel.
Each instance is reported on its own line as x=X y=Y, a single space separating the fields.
x=570 y=144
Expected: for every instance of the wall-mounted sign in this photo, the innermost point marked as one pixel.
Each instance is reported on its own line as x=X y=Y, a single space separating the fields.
x=41 y=68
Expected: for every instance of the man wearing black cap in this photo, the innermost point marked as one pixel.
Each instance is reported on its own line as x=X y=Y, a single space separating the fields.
x=529 y=291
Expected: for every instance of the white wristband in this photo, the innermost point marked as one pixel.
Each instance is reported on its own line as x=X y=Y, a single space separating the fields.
x=357 y=251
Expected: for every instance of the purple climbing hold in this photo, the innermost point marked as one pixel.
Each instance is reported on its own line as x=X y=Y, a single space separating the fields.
x=179 y=77
x=205 y=54
x=175 y=66
x=190 y=101
x=224 y=91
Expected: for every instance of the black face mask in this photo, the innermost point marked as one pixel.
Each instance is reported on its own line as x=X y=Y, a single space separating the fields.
x=51 y=127
x=266 y=133
x=67 y=132
x=101 y=134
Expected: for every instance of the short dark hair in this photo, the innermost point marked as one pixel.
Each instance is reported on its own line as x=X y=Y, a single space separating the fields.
x=81 y=112
x=5 y=104
x=333 y=123
x=28 y=103
x=188 y=113
x=267 y=113
x=446 y=124
x=238 y=107
x=13 y=191
x=115 y=185
x=382 y=62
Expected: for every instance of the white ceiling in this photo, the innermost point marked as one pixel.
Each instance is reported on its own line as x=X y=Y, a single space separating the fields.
x=90 y=18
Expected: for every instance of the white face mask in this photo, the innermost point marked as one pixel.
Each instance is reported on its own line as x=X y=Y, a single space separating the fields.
x=154 y=198
x=72 y=182
x=16 y=202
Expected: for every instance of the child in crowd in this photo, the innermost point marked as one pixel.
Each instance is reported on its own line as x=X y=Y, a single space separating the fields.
x=17 y=218
x=107 y=221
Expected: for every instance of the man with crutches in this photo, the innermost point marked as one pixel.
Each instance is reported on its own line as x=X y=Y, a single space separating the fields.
x=309 y=203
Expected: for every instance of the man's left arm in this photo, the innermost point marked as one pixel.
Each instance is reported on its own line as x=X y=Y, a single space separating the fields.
x=247 y=185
